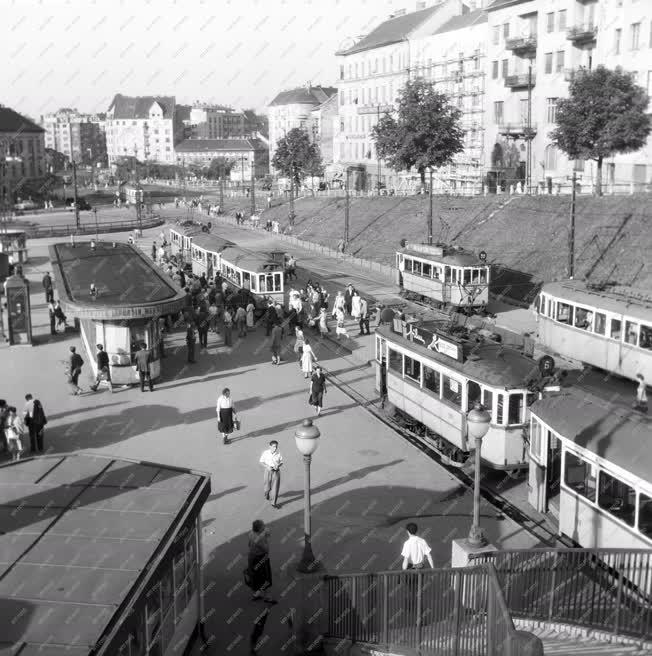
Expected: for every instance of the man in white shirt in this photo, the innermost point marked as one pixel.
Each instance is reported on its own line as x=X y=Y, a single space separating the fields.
x=415 y=550
x=272 y=461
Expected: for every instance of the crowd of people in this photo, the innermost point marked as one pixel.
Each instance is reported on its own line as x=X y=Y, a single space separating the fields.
x=18 y=426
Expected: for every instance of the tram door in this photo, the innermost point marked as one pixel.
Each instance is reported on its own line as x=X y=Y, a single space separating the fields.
x=553 y=473
x=381 y=365
x=473 y=394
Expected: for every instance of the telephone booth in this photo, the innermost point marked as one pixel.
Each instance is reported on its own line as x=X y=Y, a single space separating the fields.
x=19 y=316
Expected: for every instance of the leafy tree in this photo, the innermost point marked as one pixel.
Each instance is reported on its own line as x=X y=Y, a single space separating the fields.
x=604 y=114
x=425 y=133
x=219 y=166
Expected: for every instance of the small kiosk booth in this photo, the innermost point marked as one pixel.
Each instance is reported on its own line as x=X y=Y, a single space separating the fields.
x=14 y=244
x=117 y=295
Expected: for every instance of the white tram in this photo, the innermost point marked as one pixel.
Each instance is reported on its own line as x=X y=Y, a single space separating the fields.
x=591 y=469
x=206 y=253
x=181 y=239
x=600 y=328
x=254 y=272
x=436 y=379
x=443 y=275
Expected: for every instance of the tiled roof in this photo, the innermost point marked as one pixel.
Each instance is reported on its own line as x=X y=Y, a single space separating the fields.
x=304 y=95
x=499 y=4
x=11 y=121
x=476 y=17
x=210 y=145
x=139 y=106
x=391 y=31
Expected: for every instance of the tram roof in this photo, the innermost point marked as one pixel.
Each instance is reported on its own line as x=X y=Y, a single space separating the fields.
x=460 y=258
x=496 y=365
x=577 y=291
x=79 y=536
x=211 y=243
x=614 y=433
x=187 y=231
x=249 y=260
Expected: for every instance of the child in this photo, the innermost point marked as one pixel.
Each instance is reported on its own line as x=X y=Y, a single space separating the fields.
x=14 y=431
x=341 y=330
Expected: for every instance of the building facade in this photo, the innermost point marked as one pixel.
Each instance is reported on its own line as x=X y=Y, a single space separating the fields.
x=215 y=122
x=144 y=127
x=80 y=137
x=324 y=118
x=293 y=109
x=241 y=153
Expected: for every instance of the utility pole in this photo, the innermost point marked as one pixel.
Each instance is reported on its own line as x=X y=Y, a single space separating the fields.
x=571 y=232
x=346 y=211
x=74 y=182
x=291 y=215
x=222 y=187
x=242 y=171
x=253 y=184
x=377 y=156
x=430 y=210
x=528 y=168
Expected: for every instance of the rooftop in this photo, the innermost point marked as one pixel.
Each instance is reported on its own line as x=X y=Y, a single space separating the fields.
x=213 y=145
x=139 y=106
x=304 y=96
x=249 y=260
x=476 y=17
x=449 y=256
x=211 y=243
x=499 y=4
x=77 y=534
x=11 y=121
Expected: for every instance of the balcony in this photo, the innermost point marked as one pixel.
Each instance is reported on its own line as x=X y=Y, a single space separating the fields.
x=520 y=81
x=522 y=45
x=375 y=109
x=582 y=33
x=518 y=130
x=571 y=73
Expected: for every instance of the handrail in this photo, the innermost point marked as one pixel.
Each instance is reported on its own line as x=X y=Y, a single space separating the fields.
x=36 y=232
x=501 y=633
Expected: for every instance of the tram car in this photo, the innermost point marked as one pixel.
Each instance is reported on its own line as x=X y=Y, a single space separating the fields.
x=433 y=379
x=181 y=238
x=254 y=272
x=443 y=276
x=206 y=253
x=600 y=328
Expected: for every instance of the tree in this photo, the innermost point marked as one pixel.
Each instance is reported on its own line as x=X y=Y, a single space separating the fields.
x=604 y=114
x=425 y=133
x=219 y=166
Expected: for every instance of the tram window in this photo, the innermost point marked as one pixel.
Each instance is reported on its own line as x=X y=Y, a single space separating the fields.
x=515 y=409
x=467 y=276
x=645 y=515
x=616 y=497
x=616 y=327
x=262 y=287
x=436 y=272
x=396 y=361
x=416 y=268
x=600 y=323
x=246 y=279
x=427 y=270
x=483 y=276
x=412 y=369
x=153 y=608
x=447 y=274
x=578 y=476
x=277 y=282
x=646 y=337
x=408 y=264
x=473 y=394
x=270 y=282
x=631 y=333
x=431 y=380
x=565 y=313
x=254 y=283
x=500 y=400
x=451 y=390
x=488 y=401
x=583 y=318
x=535 y=438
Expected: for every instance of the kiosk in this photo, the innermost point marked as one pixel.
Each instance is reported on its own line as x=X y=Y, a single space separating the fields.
x=118 y=295
x=14 y=244
x=19 y=315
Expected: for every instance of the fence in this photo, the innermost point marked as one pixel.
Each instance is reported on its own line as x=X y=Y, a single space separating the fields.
x=445 y=611
x=604 y=589
x=38 y=232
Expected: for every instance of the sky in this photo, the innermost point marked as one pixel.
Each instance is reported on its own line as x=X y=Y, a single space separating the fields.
x=80 y=53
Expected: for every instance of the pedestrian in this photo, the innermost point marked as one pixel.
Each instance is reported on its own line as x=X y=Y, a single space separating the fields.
x=37 y=425
x=4 y=411
x=250 y=315
x=47 y=288
x=143 y=361
x=338 y=303
x=355 y=306
x=154 y=251
x=213 y=317
x=53 y=318
x=270 y=318
x=257 y=631
x=28 y=410
x=323 y=323
x=272 y=461
x=226 y=416
x=340 y=330
x=269 y=202
x=103 y=369
x=190 y=342
x=241 y=321
x=364 y=317
x=277 y=339
x=228 y=327
x=415 y=550
x=75 y=364
x=641 y=395
x=292 y=268
x=14 y=433
x=258 y=565
x=298 y=344
x=60 y=316
x=348 y=299
x=383 y=383
x=308 y=359
x=317 y=389
x=203 y=325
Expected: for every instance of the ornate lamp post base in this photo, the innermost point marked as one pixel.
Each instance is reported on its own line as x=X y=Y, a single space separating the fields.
x=476 y=537
x=308 y=563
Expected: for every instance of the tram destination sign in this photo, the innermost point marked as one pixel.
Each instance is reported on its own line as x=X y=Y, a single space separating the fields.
x=433 y=340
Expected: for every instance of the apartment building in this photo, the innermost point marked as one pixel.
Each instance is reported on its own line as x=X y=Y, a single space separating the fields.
x=241 y=153
x=80 y=137
x=215 y=122
x=323 y=119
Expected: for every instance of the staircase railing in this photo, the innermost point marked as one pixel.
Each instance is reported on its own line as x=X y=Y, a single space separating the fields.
x=604 y=589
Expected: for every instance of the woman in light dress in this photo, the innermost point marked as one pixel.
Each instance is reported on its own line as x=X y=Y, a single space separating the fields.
x=298 y=344
x=338 y=304
x=308 y=359
x=355 y=306
x=323 y=323
x=250 y=315
x=340 y=330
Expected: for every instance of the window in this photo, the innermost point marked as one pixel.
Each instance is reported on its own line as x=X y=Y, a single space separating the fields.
x=495 y=35
x=548 y=65
x=579 y=476
x=412 y=368
x=515 y=409
x=535 y=438
x=506 y=31
x=395 y=361
x=560 y=61
x=500 y=400
x=631 y=333
x=617 y=39
x=645 y=340
x=550 y=22
x=431 y=380
x=616 y=328
x=426 y=270
x=494 y=70
x=505 y=68
x=488 y=400
x=600 y=323
x=473 y=394
x=562 y=20
x=451 y=390
x=617 y=498
x=583 y=318
x=645 y=515
x=564 y=313
x=635 y=32
x=551 y=110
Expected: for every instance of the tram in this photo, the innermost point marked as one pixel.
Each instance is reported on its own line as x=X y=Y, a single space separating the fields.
x=433 y=379
x=181 y=239
x=443 y=276
x=600 y=328
x=206 y=253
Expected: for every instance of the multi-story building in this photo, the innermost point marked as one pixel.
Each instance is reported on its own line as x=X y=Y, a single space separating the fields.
x=323 y=119
x=80 y=137
x=144 y=127
x=22 y=151
x=293 y=109
x=215 y=122
x=241 y=153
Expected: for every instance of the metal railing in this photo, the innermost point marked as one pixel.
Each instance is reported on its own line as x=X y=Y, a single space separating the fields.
x=447 y=611
x=37 y=232
x=604 y=589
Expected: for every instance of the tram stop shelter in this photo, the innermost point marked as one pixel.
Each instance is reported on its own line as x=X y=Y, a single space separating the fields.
x=99 y=556
x=13 y=242
x=117 y=294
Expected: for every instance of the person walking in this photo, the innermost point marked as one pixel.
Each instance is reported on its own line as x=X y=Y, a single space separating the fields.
x=28 y=410
x=355 y=306
x=190 y=342
x=241 y=321
x=228 y=327
x=272 y=461
x=338 y=304
x=340 y=330
x=383 y=383
x=154 y=250
x=317 y=389
x=103 y=368
x=53 y=318
x=258 y=564
x=277 y=339
x=415 y=550
x=226 y=416
x=292 y=268
x=4 y=411
x=14 y=433
x=143 y=361
x=47 y=288
x=37 y=423
x=308 y=359
x=250 y=316
x=75 y=364
x=203 y=325
x=348 y=299
x=364 y=317
x=641 y=395
x=323 y=323
x=299 y=342
x=60 y=316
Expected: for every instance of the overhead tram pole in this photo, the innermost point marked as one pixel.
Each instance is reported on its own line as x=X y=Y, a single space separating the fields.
x=222 y=187
x=528 y=168
x=430 y=210
x=74 y=183
x=571 y=231
x=346 y=210
x=378 y=156
x=253 y=184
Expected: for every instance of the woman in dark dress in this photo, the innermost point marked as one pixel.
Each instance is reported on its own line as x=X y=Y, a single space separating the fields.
x=317 y=389
x=260 y=569
x=225 y=414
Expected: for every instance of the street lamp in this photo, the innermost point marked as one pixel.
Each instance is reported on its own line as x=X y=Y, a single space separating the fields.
x=477 y=426
x=307 y=441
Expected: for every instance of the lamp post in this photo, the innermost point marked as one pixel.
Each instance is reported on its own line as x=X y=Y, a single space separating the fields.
x=477 y=423
x=307 y=441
